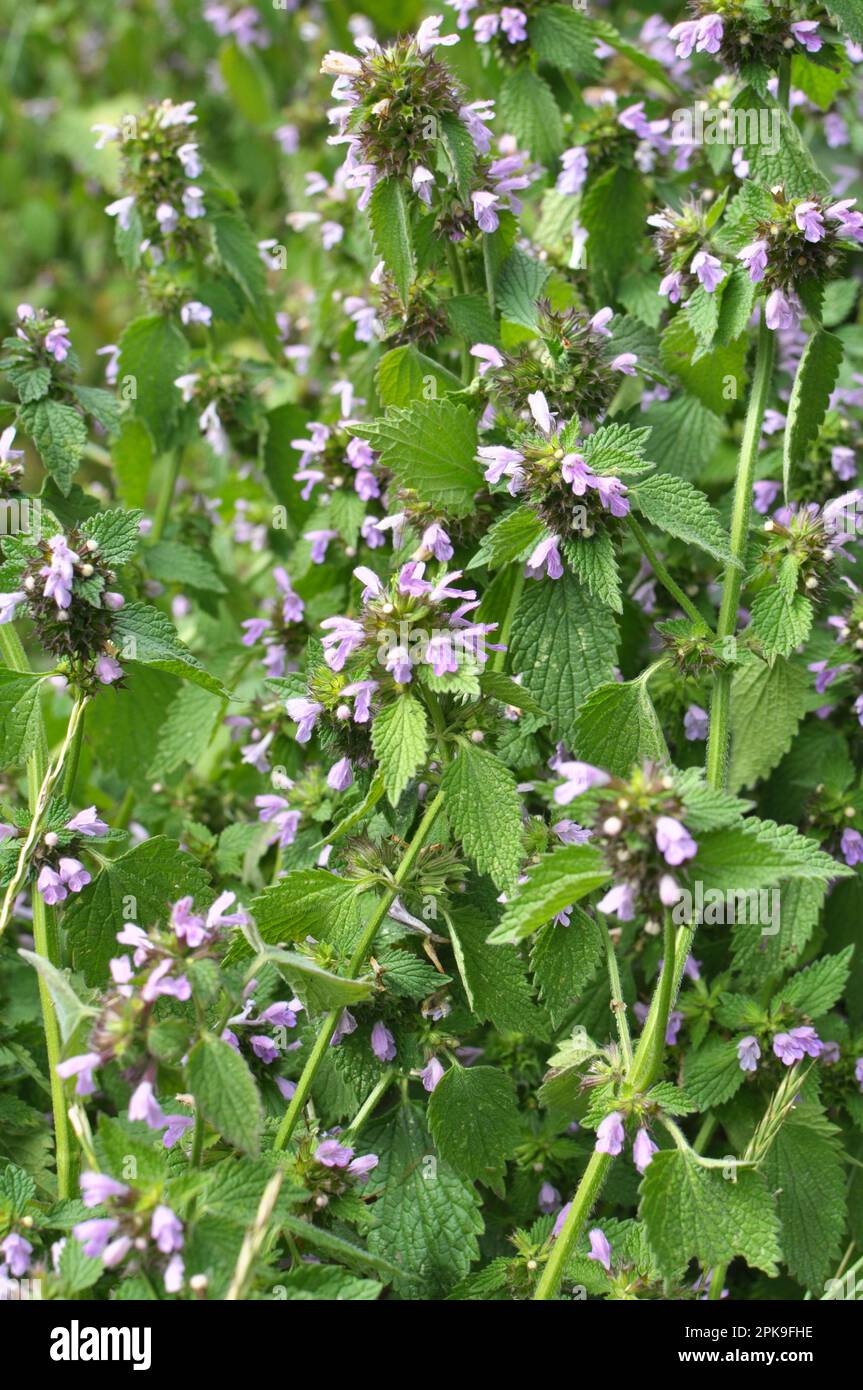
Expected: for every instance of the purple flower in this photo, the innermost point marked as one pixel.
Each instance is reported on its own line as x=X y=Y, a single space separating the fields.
x=502 y=462
x=362 y=691
x=144 y=1106
x=858 y=1072
x=264 y=1048
x=561 y=1220
x=643 y=1149
x=810 y=221
x=843 y=463
x=600 y=1250
x=305 y=715
x=539 y=409
x=87 y=823
x=57 y=341
x=748 y=1053
x=513 y=23
x=684 y=35
x=95 y=1234
x=800 y=1042
x=488 y=356
x=780 y=311
x=754 y=257
x=545 y=559
x=672 y=286
x=319 y=542
x=436 y=540
x=612 y=495
x=176 y=1128
x=73 y=874
x=805 y=31
x=674 y=841
x=16 y=1254
x=696 y=723
x=431 y=1074
x=166 y=1230
x=83 y=1067
x=346 y=1024
x=852 y=847
x=96 y=1188
x=675 y=1019
x=707 y=268
x=361 y=1167
x=572 y=179
x=383 y=1042
x=578 y=778
x=332 y=1154
x=548 y=1199
x=51 y=886
x=709 y=38
x=484 y=211
x=610 y=1134
x=619 y=901
x=570 y=833
x=343 y=636
x=340 y=775
x=765 y=493
x=398 y=663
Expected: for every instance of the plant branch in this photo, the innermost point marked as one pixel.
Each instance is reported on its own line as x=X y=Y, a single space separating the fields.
x=664 y=577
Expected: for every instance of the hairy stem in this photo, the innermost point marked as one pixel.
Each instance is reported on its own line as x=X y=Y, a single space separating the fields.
x=166 y=494
x=720 y=705
x=662 y=574
x=641 y=1074
x=328 y=1027
x=618 y=1006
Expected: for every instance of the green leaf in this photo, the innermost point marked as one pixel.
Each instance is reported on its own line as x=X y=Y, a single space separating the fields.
x=153 y=353
x=431 y=447
x=712 y=1073
x=617 y=728
x=102 y=405
x=403 y=375
x=147 y=636
x=69 y=1008
x=594 y=563
x=676 y=507
x=317 y=988
x=426 y=1217
x=19 y=716
x=519 y=286
x=849 y=16
x=780 y=623
x=691 y=1212
x=816 y=989
x=717 y=378
x=31 y=383
x=759 y=854
x=767 y=705
x=117 y=534
x=564 y=643
x=247 y=81
x=139 y=886
x=480 y=792
x=460 y=152
x=816 y=376
x=804 y=1168
x=470 y=317
x=303 y=903
x=684 y=435
x=494 y=978
x=787 y=160
x=391 y=230
x=561 y=37
x=555 y=882
x=497 y=686
x=529 y=111
x=512 y=537
x=565 y=959
x=400 y=743
x=328 y=1283
x=175 y=563
x=59 y=434
x=617 y=450
x=735 y=310
x=237 y=252
x=132 y=454
x=225 y=1092
x=613 y=210
x=474 y=1121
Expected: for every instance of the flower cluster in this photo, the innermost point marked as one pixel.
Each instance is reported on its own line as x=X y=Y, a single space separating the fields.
x=137 y=1234
x=740 y=35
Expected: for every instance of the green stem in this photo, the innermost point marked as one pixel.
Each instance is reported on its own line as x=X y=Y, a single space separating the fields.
x=498 y=660
x=73 y=759
x=645 y=1067
x=720 y=705
x=369 y=1104
x=328 y=1027
x=664 y=577
x=166 y=494
x=44 y=939
x=618 y=1006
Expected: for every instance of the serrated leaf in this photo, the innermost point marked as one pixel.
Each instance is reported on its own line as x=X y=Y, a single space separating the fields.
x=426 y=1217
x=139 y=886
x=147 y=636
x=594 y=564
x=69 y=1008
x=781 y=624
x=431 y=448
x=767 y=705
x=529 y=111
x=59 y=434
x=617 y=728
x=303 y=903
x=474 y=1121
x=19 y=715
x=565 y=39
x=400 y=743
x=816 y=989
x=237 y=252
x=498 y=686
x=759 y=854
x=403 y=376
x=613 y=210
x=691 y=1212
x=153 y=353
x=676 y=507
x=786 y=161
x=717 y=378
x=175 y=563
x=684 y=435
x=117 y=534
x=804 y=1167
x=554 y=883
x=479 y=792
x=565 y=959
x=460 y=152
x=712 y=1073
x=519 y=286
x=512 y=537
x=225 y=1092
x=814 y=381
x=564 y=644
x=391 y=230
x=494 y=979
